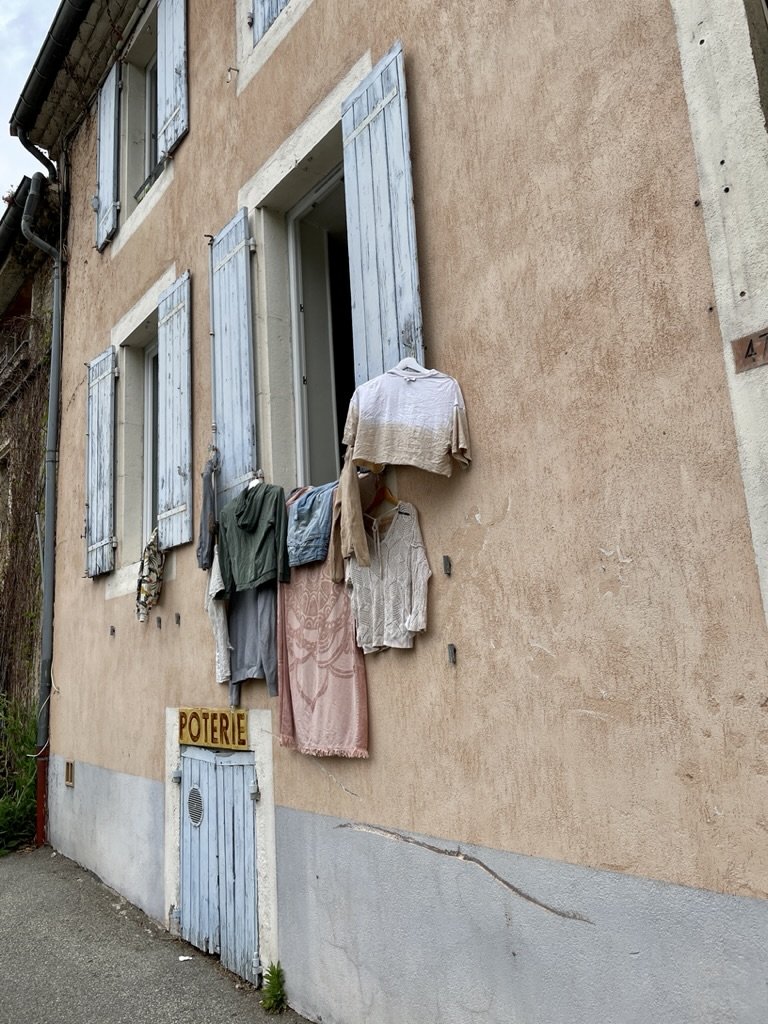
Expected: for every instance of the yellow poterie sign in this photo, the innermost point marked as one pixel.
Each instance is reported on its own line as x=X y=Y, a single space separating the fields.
x=213 y=727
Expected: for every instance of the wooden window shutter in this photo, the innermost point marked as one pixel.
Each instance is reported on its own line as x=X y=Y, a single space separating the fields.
x=107 y=203
x=234 y=406
x=174 y=442
x=100 y=453
x=381 y=229
x=264 y=13
x=172 y=105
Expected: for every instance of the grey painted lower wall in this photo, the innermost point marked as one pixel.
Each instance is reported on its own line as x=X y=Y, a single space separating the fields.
x=377 y=927
x=112 y=824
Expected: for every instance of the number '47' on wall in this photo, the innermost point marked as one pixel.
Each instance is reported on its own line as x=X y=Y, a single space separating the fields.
x=751 y=351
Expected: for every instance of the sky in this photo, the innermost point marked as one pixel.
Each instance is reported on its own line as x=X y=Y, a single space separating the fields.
x=23 y=27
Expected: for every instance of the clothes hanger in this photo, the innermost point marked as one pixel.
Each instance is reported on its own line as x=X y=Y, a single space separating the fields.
x=258 y=478
x=409 y=363
x=382 y=494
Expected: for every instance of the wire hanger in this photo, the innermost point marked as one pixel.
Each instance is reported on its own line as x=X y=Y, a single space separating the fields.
x=258 y=478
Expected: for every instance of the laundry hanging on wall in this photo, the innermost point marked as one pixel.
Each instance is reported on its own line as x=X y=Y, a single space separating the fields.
x=253 y=555
x=322 y=681
x=208 y=527
x=389 y=597
x=150 y=582
x=409 y=416
x=310 y=510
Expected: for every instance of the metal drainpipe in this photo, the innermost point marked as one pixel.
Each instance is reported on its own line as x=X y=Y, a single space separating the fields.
x=49 y=542
x=38 y=155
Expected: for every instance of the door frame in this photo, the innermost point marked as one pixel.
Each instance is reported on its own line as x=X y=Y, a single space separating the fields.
x=260 y=743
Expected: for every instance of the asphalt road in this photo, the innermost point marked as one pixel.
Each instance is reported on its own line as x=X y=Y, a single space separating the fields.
x=74 y=952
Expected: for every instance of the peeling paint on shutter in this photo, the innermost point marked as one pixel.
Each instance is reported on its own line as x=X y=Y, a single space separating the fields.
x=172 y=107
x=174 y=442
x=234 y=406
x=381 y=229
x=99 y=528
x=107 y=176
x=264 y=13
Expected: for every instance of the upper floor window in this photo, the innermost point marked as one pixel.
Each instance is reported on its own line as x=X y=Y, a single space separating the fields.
x=263 y=14
x=142 y=114
x=144 y=440
x=339 y=293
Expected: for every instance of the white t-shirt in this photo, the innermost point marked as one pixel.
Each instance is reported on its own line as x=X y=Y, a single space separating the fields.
x=408 y=418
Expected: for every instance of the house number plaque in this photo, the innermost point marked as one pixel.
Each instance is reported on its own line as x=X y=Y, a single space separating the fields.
x=751 y=351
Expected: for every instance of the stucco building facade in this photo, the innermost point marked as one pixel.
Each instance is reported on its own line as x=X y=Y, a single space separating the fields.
x=567 y=821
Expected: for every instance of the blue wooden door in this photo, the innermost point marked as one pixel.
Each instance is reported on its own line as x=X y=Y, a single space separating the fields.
x=218 y=858
x=199 y=857
x=237 y=865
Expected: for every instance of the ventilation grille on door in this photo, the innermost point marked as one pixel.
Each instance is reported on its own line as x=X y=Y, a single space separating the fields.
x=195 y=805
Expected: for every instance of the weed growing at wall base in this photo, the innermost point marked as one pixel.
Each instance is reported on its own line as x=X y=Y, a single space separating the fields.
x=273 y=999
x=17 y=773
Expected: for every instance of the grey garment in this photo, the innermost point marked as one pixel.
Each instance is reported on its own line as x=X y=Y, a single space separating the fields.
x=217 y=615
x=252 y=635
x=207 y=536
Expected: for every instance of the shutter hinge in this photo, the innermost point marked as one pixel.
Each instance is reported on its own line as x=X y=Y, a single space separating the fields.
x=116 y=371
x=114 y=543
x=257 y=969
x=254 y=790
x=252 y=244
x=250 y=19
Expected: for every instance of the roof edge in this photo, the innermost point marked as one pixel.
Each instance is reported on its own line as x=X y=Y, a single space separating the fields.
x=61 y=35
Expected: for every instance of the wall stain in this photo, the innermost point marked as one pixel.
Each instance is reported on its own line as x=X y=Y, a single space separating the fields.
x=613 y=565
x=458 y=854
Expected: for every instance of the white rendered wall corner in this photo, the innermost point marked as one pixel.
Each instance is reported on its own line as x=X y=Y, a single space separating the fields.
x=731 y=145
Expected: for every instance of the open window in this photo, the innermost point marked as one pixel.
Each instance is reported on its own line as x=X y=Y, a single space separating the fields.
x=139 y=116
x=336 y=285
x=322 y=318
x=142 y=114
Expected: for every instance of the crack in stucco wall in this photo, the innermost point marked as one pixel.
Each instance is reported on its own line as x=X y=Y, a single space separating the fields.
x=459 y=854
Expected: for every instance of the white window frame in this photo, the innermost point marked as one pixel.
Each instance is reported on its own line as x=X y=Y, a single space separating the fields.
x=135 y=164
x=129 y=336
x=277 y=186
x=136 y=118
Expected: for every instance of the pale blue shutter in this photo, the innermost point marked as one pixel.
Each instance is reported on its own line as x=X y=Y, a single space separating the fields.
x=381 y=229
x=264 y=13
x=234 y=407
x=107 y=203
x=172 y=108
x=100 y=450
x=174 y=442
